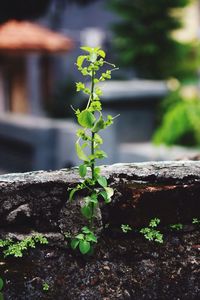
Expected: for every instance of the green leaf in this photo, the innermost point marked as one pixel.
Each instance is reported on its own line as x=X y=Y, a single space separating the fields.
x=1 y=283
x=84 y=247
x=102 y=53
x=80 y=60
x=74 y=243
x=98 y=125
x=105 y=196
x=93 y=198
x=86 y=230
x=88 y=49
x=91 y=238
x=86 y=211
x=109 y=191
x=80 y=236
x=97 y=171
x=82 y=170
x=86 y=119
x=80 y=152
x=72 y=194
x=102 y=181
x=100 y=154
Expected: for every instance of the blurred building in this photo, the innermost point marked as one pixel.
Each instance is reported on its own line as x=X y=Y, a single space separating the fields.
x=26 y=72
x=30 y=70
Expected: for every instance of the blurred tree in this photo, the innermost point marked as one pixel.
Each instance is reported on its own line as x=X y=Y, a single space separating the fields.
x=144 y=42
x=180 y=122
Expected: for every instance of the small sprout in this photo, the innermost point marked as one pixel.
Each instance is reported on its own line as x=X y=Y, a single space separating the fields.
x=177 y=226
x=152 y=234
x=45 y=286
x=196 y=221
x=154 y=222
x=125 y=228
x=67 y=235
x=17 y=249
x=84 y=240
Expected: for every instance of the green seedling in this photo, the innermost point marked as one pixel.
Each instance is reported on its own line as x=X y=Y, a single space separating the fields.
x=92 y=122
x=45 y=287
x=196 y=221
x=126 y=228
x=152 y=234
x=17 y=249
x=84 y=240
x=177 y=226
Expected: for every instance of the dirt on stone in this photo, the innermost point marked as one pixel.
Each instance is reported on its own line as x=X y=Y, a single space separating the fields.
x=124 y=266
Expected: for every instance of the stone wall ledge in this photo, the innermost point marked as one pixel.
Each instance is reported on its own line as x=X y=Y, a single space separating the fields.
x=124 y=266
x=169 y=190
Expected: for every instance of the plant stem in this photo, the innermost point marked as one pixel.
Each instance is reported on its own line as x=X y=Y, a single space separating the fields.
x=92 y=153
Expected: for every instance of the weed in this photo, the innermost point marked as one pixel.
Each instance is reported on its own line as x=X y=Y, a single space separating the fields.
x=125 y=228
x=152 y=234
x=92 y=122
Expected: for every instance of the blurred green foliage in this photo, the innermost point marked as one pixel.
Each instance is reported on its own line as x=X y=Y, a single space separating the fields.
x=143 y=39
x=180 y=123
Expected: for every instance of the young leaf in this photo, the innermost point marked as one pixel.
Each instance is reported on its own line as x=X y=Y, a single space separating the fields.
x=93 y=198
x=105 y=196
x=102 y=53
x=102 y=181
x=80 y=152
x=100 y=154
x=80 y=60
x=93 y=57
x=82 y=170
x=72 y=194
x=98 y=125
x=91 y=238
x=74 y=243
x=96 y=171
x=86 y=211
x=85 y=230
x=80 y=236
x=88 y=49
x=109 y=191
x=86 y=119
x=84 y=247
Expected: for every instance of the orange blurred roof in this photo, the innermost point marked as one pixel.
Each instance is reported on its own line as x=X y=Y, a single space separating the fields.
x=26 y=36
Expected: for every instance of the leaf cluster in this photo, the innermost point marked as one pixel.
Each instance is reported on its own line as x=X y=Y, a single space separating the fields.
x=180 y=124
x=152 y=234
x=17 y=249
x=177 y=226
x=84 y=240
x=126 y=228
x=45 y=286
x=196 y=221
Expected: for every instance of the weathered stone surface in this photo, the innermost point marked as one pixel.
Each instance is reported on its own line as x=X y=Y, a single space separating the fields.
x=125 y=266
x=167 y=189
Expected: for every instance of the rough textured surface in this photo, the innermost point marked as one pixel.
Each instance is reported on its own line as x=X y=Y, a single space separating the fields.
x=170 y=190
x=125 y=266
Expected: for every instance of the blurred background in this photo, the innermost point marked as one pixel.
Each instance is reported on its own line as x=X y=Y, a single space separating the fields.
x=156 y=90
